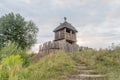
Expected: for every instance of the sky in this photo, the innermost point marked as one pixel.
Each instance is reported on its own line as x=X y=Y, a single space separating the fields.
x=97 y=21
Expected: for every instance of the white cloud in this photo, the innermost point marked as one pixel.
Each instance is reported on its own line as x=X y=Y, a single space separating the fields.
x=69 y=3
x=27 y=1
x=110 y=1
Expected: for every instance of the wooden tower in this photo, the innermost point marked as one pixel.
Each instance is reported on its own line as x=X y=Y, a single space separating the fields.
x=65 y=39
x=65 y=32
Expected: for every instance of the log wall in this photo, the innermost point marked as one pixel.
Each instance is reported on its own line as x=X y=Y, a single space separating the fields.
x=53 y=46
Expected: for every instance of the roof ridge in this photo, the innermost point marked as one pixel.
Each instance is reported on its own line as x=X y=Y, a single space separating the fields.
x=65 y=25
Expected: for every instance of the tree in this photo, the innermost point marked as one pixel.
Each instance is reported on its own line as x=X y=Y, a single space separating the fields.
x=13 y=27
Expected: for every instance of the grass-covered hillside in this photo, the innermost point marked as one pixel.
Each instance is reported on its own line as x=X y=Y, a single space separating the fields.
x=105 y=61
x=57 y=66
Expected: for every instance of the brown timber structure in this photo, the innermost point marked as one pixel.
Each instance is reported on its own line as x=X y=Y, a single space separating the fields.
x=65 y=39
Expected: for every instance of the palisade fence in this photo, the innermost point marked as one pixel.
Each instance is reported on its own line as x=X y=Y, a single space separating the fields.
x=53 y=46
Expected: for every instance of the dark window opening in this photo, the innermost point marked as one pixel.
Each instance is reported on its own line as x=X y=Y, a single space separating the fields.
x=71 y=42
x=68 y=30
x=72 y=32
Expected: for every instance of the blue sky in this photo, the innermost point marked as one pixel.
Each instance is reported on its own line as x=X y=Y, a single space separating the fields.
x=98 y=21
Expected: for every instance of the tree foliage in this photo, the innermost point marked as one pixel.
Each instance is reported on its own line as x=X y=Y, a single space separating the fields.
x=13 y=27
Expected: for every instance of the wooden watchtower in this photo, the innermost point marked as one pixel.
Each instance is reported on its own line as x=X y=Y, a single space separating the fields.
x=65 y=39
x=65 y=32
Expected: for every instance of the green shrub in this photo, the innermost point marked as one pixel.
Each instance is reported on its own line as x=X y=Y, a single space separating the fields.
x=13 y=49
x=10 y=49
x=11 y=66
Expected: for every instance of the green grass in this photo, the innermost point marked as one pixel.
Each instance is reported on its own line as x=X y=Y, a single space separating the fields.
x=51 y=67
x=105 y=61
x=59 y=65
x=10 y=68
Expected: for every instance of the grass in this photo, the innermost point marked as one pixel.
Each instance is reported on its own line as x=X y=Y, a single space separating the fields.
x=104 y=61
x=59 y=65
x=51 y=67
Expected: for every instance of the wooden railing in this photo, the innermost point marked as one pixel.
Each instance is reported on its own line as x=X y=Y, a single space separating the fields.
x=60 y=35
x=70 y=37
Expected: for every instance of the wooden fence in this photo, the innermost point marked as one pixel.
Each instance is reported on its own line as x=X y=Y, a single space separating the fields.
x=52 y=46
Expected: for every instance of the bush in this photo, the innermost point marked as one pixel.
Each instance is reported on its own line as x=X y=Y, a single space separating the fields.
x=11 y=66
x=12 y=49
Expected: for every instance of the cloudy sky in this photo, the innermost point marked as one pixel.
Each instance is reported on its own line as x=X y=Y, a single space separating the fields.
x=98 y=21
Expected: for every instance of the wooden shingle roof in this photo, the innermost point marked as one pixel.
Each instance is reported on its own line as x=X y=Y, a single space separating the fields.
x=65 y=25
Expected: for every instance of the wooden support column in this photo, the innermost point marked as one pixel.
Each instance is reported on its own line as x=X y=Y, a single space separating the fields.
x=65 y=33
x=70 y=32
x=55 y=35
x=71 y=35
x=75 y=37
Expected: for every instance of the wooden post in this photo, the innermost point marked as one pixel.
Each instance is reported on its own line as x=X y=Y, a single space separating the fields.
x=75 y=37
x=65 y=33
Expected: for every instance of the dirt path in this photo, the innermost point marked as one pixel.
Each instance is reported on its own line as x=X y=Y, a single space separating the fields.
x=84 y=72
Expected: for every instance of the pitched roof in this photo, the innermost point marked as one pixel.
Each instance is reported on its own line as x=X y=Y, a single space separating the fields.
x=65 y=25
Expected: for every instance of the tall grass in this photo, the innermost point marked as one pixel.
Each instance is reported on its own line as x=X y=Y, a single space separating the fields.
x=10 y=67
x=104 y=61
x=56 y=66
x=52 y=67
x=12 y=49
